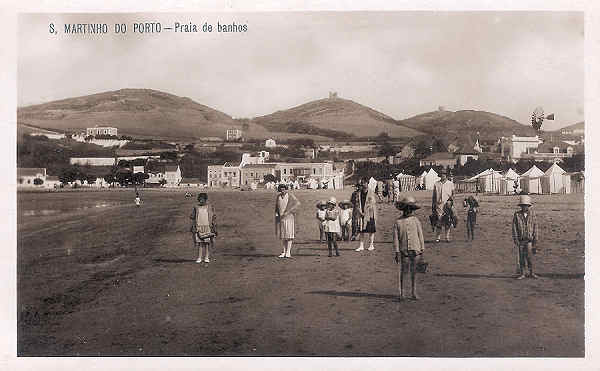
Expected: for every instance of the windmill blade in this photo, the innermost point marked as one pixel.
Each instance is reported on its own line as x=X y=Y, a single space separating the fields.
x=550 y=117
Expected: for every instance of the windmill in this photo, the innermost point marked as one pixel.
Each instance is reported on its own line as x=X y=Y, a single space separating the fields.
x=537 y=118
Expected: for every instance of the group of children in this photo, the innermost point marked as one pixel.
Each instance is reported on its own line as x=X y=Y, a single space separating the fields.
x=334 y=224
x=409 y=244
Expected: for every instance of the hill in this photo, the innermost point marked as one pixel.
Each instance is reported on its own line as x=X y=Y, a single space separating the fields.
x=336 y=118
x=467 y=123
x=138 y=112
x=577 y=126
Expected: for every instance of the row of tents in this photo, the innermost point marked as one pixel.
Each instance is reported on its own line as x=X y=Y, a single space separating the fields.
x=533 y=181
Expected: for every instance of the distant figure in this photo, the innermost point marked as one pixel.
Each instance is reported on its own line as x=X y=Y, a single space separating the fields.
x=188 y=195
x=137 y=200
x=473 y=208
x=408 y=242
x=345 y=219
x=320 y=216
x=379 y=190
x=442 y=191
x=396 y=190
x=524 y=233
x=286 y=205
x=332 y=226
x=204 y=227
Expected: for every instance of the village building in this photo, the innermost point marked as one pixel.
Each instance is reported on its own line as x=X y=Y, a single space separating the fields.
x=191 y=182
x=270 y=143
x=233 y=134
x=101 y=130
x=49 y=135
x=26 y=177
x=52 y=182
x=255 y=173
x=444 y=159
x=514 y=147
x=463 y=158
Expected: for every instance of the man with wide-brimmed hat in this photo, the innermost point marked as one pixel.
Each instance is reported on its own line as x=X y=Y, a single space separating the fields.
x=408 y=242
x=525 y=235
x=442 y=191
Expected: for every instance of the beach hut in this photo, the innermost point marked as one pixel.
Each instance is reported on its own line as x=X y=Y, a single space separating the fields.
x=531 y=180
x=556 y=180
x=420 y=178
x=488 y=181
x=407 y=182
x=372 y=184
x=430 y=178
x=508 y=181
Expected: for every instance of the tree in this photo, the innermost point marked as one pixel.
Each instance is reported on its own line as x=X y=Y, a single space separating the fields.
x=162 y=182
x=38 y=181
x=109 y=178
x=387 y=150
x=124 y=163
x=139 y=178
x=269 y=178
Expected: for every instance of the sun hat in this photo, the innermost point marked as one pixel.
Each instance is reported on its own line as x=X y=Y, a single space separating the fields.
x=407 y=202
x=524 y=200
x=332 y=200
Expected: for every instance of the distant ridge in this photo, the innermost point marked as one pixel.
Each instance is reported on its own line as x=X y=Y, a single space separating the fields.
x=335 y=117
x=143 y=112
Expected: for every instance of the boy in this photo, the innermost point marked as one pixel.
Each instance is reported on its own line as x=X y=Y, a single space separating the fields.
x=332 y=226
x=345 y=219
x=524 y=232
x=408 y=242
x=473 y=207
x=138 y=200
x=204 y=227
x=321 y=220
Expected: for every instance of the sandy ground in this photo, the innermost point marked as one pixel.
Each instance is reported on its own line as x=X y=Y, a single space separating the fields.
x=102 y=277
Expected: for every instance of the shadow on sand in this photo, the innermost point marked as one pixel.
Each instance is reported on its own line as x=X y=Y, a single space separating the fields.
x=161 y=260
x=563 y=276
x=354 y=294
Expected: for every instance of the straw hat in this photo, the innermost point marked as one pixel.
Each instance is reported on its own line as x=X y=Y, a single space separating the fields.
x=332 y=200
x=525 y=200
x=407 y=202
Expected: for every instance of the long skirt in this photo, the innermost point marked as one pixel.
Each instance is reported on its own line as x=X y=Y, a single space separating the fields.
x=287 y=228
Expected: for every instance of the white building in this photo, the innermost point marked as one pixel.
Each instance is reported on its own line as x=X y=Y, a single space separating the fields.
x=514 y=147
x=49 y=135
x=233 y=134
x=101 y=130
x=270 y=143
x=26 y=177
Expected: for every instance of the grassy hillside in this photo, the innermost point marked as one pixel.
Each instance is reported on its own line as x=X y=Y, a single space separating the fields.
x=338 y=118
x=142 y=112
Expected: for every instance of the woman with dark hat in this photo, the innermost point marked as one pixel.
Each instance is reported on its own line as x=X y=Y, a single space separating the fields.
x=408 y=242
x=286 y=205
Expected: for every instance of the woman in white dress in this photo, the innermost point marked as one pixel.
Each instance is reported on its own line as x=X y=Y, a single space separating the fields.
x=285 y=209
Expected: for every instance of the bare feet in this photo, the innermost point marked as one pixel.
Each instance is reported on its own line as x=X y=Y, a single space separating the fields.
x=533 y=275
x=521 y=277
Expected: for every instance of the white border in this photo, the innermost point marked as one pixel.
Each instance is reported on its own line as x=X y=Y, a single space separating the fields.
x=8 y=70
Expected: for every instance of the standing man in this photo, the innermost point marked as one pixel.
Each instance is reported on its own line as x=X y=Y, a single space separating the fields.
x=442 y=191
x=525 y=235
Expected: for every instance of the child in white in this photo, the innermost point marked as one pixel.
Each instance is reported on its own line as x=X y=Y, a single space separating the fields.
x=204 y=227
x=345 y=219
x=321 y=220
x=332 y=228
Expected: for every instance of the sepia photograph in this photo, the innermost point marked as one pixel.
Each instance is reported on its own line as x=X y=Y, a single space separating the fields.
x=301 y=184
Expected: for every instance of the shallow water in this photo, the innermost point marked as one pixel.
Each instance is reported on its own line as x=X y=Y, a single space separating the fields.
x=43 y=212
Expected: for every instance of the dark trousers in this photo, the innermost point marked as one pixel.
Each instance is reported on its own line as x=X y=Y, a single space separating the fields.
x=471 y=221
x=332 y=243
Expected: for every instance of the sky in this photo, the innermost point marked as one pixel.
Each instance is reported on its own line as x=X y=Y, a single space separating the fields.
x=399 y=63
